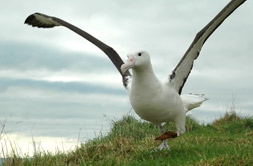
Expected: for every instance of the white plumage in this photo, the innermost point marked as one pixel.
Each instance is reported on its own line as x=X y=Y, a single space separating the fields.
x=151 y=99
x=155 y=101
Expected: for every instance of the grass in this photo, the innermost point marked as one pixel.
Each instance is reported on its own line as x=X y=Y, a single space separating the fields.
x=226 y=141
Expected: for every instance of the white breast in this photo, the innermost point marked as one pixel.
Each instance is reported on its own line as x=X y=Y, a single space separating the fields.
x=155 y=102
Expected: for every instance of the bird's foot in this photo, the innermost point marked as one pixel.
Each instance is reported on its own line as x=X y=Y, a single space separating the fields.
x=167 y=135
x=164 y=146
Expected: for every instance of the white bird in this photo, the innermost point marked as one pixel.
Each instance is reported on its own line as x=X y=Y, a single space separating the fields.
x=151 y=99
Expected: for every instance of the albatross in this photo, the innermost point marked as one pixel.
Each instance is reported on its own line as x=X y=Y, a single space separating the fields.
x=153 y=100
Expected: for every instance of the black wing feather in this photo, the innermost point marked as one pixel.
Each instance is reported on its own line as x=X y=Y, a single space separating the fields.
x=45 y=21
x=183 y=69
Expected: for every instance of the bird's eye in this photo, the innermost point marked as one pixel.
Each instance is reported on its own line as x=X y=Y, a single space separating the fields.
x=139 y=54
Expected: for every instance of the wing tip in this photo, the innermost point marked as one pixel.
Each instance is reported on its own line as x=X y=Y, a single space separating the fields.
x=29 y=19
x=41 y=21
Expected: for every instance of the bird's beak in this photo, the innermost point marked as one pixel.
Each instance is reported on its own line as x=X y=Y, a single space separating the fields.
x=129 y=64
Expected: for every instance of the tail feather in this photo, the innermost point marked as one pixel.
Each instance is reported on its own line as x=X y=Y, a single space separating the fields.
x=191 y=101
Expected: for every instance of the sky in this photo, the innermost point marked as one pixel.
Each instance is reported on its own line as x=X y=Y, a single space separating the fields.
x=58 y=90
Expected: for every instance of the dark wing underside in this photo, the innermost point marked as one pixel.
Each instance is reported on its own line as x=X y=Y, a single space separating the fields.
x=43 y=21
x=183 y=69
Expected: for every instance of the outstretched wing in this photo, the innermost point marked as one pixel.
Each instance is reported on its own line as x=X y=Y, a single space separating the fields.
x=183 y=69
x=44 y=21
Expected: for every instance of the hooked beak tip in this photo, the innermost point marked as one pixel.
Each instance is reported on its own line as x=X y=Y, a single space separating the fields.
x=129 y=64
x=123 y=69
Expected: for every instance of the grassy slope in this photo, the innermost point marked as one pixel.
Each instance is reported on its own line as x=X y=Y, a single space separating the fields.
x=227 y=141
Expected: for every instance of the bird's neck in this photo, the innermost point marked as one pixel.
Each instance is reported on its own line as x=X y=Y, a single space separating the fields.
x=144 y=78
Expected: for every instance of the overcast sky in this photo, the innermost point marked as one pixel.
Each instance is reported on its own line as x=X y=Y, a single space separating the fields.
x=57 y=88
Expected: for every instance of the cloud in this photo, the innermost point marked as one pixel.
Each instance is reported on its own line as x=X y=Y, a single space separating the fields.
x=27 y=146
x=35 y=57
x=46 y=109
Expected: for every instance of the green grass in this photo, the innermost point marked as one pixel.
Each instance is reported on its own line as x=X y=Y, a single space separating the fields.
x=227 y=141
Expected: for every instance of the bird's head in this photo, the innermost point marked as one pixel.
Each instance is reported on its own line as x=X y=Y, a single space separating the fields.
x=137 y=60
